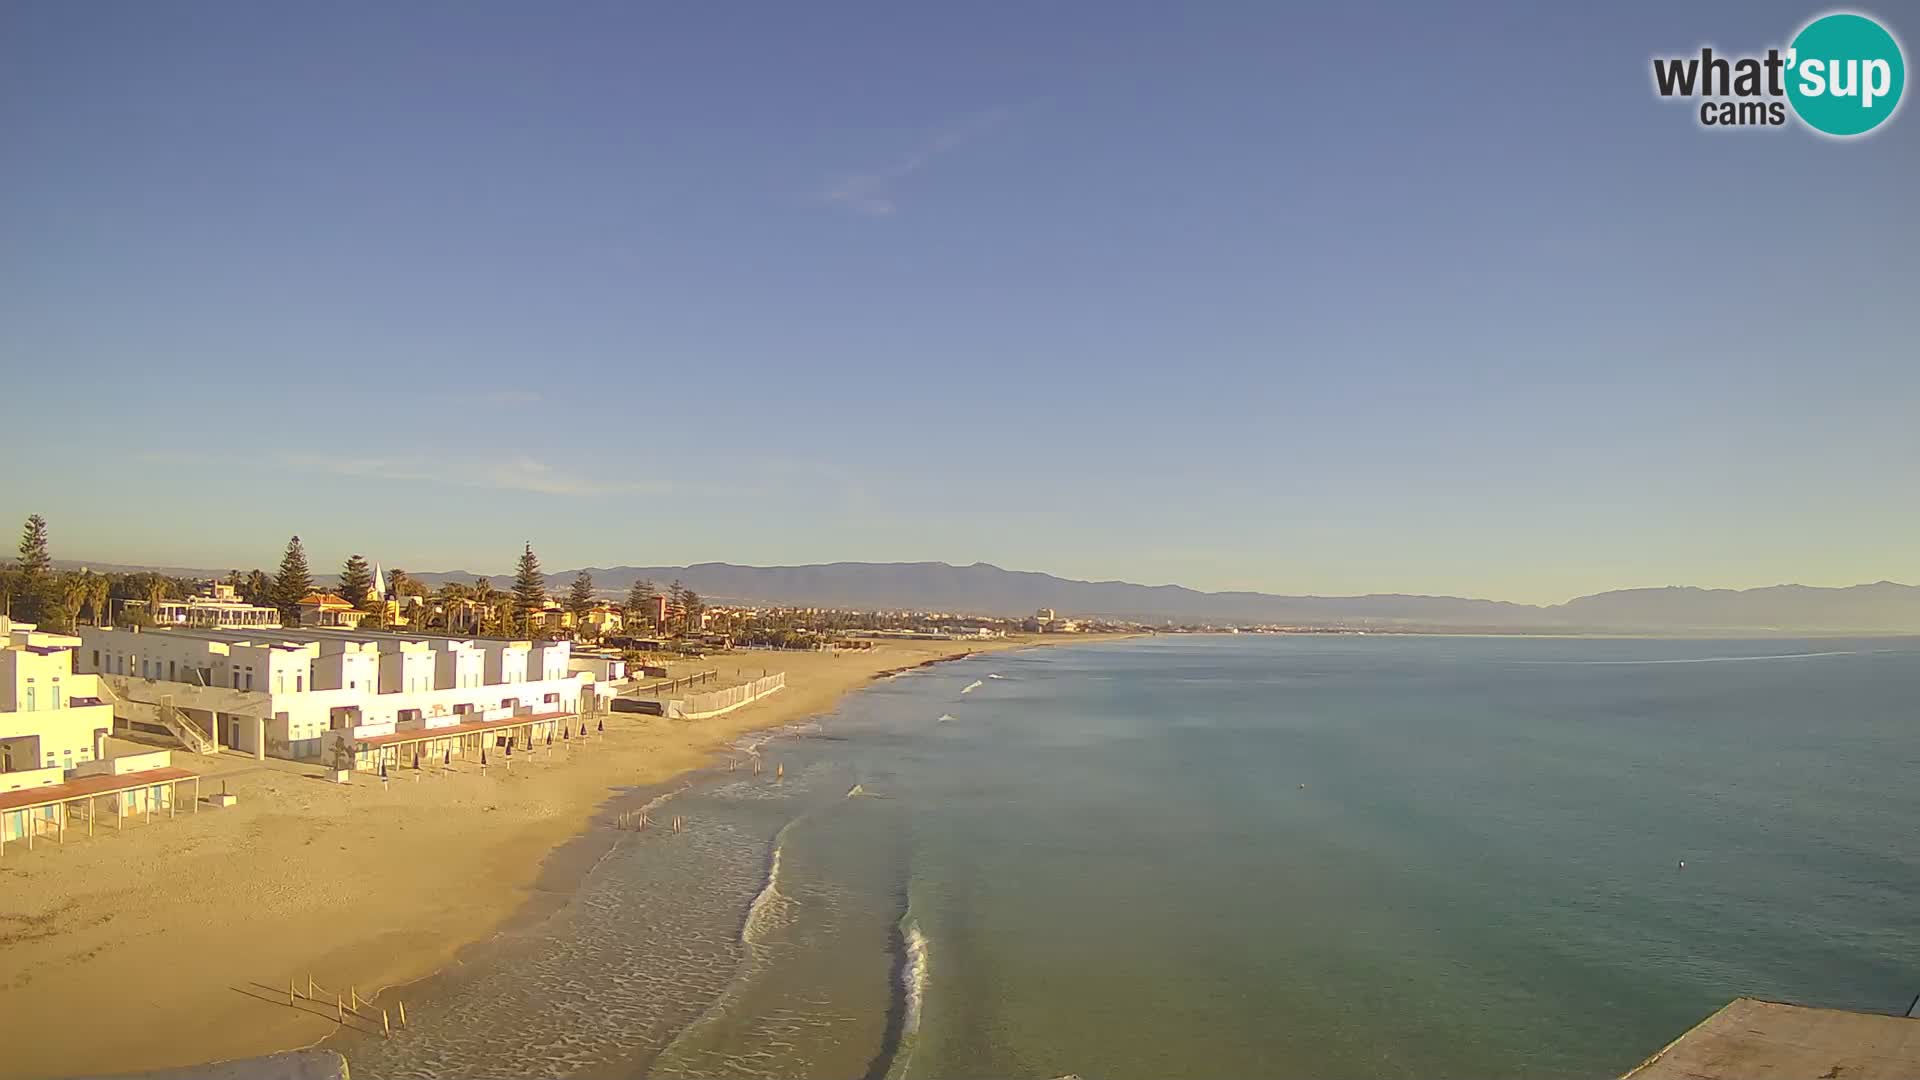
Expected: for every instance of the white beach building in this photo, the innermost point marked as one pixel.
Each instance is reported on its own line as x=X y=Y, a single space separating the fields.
x=51 y=717
x=218 y=606
x=290 y=693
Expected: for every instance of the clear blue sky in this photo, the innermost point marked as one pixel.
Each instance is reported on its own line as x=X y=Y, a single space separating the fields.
x=1389 y=297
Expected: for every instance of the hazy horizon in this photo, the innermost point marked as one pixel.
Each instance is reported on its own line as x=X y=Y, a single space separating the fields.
x=330 y=568
x=1118 y=294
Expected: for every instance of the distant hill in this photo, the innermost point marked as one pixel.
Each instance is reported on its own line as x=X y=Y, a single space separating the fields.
x=984 y=589
x=1883 y=606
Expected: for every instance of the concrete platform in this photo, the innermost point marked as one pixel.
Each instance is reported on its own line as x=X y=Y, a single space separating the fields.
x=291 y=1065
x=1766 y=1040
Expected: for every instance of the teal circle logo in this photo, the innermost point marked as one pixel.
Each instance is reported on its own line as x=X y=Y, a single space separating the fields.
x=1845 y=74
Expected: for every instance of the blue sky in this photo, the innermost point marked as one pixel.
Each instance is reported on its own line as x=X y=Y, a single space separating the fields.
x=1373 y=297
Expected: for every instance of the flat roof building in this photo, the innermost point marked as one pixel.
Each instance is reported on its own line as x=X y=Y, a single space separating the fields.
x=51 y=716
x=218 y=606
x=279 y=693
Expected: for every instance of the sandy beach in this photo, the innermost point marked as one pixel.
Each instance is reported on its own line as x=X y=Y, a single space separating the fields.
x=180 y=936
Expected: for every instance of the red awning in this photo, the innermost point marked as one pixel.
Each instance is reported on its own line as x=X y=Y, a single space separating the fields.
x=27 y=798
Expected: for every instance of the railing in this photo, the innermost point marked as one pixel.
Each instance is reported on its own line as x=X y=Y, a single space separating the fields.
x=186 y=730
x=177 y=723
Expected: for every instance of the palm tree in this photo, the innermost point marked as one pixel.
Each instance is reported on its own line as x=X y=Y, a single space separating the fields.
x=487 y=600
x=454 y=597
x=75 y=586
x=97 y=597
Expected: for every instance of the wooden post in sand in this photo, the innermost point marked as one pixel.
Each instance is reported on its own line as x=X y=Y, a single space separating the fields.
x=386 y=1028
x=309 y=986
x=339 y=1010
x=290 y=993
x=403 y=1014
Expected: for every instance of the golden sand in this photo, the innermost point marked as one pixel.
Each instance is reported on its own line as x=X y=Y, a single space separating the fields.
x=175 y=942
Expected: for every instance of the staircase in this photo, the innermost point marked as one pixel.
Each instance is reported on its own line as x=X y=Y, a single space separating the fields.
x=176 y=722
x=186 y=730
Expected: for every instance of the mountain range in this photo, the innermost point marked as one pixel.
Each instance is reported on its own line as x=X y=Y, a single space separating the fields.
x=985 y=589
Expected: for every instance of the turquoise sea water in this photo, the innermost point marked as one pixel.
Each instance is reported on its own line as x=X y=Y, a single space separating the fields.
x=1330 y=856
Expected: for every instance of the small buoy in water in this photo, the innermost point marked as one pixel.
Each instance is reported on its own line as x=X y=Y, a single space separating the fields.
x=1683 y=864
x=1303 y=787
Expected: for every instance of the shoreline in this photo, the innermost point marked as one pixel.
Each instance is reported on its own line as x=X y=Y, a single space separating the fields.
x=193 y=924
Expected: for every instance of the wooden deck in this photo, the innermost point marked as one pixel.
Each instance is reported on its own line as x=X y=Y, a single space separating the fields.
x=1767 y=1040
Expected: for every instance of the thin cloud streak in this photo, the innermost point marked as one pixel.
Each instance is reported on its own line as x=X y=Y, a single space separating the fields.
x=518 y=473
x=872 y=193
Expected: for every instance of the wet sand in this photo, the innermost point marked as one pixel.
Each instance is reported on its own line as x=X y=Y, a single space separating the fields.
x=174 y=943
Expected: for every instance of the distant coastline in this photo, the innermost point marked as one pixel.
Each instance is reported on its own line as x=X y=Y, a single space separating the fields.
x=986 y=590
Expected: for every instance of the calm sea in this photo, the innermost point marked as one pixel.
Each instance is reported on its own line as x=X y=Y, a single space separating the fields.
x=1231 y=856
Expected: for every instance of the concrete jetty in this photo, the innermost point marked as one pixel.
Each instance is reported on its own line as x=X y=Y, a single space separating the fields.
x=1768 y=1040
x=292 y=1065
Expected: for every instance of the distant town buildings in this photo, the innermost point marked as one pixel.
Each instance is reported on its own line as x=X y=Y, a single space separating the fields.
x=1045 y=621
x=325 y=610
x=217 y=606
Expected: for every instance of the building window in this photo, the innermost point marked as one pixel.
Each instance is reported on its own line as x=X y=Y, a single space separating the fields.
x=30 y=698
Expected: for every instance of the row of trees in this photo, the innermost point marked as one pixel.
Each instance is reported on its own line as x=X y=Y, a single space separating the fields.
x=683 y=608
x=31 y=590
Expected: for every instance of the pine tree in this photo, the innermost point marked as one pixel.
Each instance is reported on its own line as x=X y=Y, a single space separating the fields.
x=580 y=595
x=293 y=584
x=691 y=607
x=33 y=585
x=529 y=588
x=640 y=603
x=676 y=602
x=356 y=583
